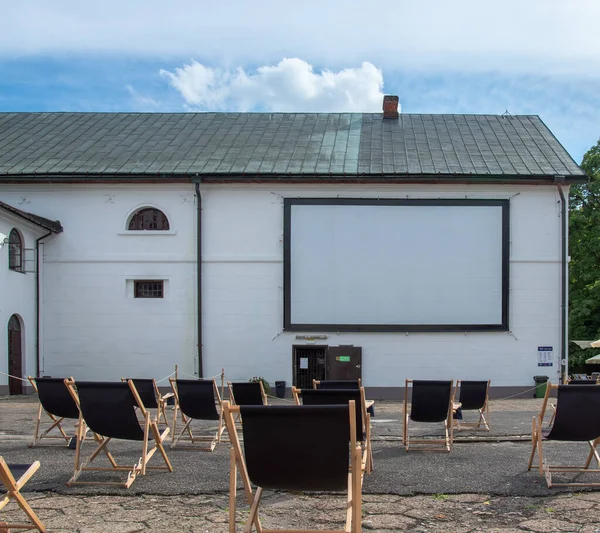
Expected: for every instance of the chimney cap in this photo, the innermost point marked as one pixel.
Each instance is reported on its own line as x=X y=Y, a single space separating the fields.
x=390 y=106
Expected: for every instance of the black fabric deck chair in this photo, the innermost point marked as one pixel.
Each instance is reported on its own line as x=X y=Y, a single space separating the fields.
x=197 y=399
x=581 y=382
x=14 y=477
x=247 y=393
x=473 y=396
x=109 y=410
x=151 y=397
x=431 y=401
x=577 y=419
x=58 y=404
x=277 y=456
x=337 y=384
x=595 y=376
x=342 y=397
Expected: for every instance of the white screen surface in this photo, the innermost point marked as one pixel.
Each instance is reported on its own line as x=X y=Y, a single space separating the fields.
x=396 y=264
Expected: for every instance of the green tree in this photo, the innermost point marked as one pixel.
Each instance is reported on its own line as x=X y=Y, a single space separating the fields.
x=584 y=249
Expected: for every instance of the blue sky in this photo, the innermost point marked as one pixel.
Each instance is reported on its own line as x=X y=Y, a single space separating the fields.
x=538 y=57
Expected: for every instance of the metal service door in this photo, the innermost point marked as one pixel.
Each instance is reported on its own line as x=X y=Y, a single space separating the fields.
x=344 y=362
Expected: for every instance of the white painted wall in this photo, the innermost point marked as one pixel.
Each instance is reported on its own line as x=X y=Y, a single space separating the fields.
x=92 y=326
x=243 y=290
x=17 y=295
x=93 y=329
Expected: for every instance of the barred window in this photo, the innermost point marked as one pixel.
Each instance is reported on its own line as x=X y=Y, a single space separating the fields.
x=15 y=251
x=148 y=288
x=149 y=218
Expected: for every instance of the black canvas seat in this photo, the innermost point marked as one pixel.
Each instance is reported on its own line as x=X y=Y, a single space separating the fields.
x=151 y=397
x=14 y=477
x=58 y=404
x=197 y=399
x=247 y=393
x=576 y=419
x=277 y=456
x=109 y=409
x=337 y=384
x=342 y=397
x=431 y=402
x=473 y=396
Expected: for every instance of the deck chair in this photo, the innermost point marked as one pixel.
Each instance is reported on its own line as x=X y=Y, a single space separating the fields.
x=109 y=410
x=247 y=393
x=344 y=384
x=57 y=403
x=581 y=382
x=342 y=397
x=151 y=397
x=278 y=456
x=14 y=478
x=474 y=396
x=595 y=376
x=431 y=401
x=577 y=419
x=197 y=399
x=337 y=384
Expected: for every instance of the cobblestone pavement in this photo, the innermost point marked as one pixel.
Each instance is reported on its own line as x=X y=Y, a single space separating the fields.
x=61 y=512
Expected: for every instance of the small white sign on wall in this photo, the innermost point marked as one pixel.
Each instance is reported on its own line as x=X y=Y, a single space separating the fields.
x=304 y=363
x=545 y=356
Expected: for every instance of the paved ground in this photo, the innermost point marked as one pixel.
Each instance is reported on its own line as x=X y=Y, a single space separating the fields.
x=483 y=485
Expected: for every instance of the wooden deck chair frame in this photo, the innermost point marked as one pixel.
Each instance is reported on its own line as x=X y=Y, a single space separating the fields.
x=185 y=434
x=149 y=426
x=237 y=463
x=448 y=439
x=13 y=488
x=367 y=458
x=484 y=412
x=161 y=401
x=317 y=382
x=56 y=422
x=543 y=467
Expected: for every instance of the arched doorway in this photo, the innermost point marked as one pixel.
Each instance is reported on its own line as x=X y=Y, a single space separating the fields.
x=15 y=355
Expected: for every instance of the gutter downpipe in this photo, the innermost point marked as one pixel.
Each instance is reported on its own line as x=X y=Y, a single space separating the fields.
x=38 y=307
x=199 y=273
x=565 y=304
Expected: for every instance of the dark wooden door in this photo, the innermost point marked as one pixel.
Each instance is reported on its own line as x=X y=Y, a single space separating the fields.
x=344 y=362
x=15 y=356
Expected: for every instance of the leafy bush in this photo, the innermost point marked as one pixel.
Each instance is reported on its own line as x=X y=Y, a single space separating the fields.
x=265 y=383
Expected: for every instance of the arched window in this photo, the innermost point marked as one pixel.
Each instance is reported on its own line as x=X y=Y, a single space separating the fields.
x=15 y=251
x=149 y=218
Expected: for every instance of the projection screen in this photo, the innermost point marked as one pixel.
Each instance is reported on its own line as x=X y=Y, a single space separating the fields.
x=395 y=265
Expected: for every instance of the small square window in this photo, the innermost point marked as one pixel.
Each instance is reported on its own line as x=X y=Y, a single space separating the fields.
x=148 y=288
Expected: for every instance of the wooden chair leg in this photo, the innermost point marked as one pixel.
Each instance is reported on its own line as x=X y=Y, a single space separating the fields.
x=253 y=516
x=232 y=491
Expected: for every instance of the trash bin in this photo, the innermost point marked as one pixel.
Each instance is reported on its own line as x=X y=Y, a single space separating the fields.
x=280 y=389
x=541 y=382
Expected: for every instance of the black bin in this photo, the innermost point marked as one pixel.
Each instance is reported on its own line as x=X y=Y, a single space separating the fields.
x=280 y=389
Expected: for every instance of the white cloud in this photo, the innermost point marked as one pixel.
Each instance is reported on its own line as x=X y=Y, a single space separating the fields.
x=291 y=85
x=507 y=35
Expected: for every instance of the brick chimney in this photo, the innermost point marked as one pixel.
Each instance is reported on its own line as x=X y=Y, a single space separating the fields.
x=390 y=106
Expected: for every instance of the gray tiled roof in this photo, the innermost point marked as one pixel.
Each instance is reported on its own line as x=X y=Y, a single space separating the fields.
x=277 y=144
x=53 y=225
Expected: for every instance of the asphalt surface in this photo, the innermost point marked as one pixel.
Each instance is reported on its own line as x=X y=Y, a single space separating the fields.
x=492 y=463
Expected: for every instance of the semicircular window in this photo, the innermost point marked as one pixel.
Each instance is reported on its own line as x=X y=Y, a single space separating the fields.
x=149 y=218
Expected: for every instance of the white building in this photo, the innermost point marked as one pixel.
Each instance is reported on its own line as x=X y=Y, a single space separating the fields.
x=434 y=243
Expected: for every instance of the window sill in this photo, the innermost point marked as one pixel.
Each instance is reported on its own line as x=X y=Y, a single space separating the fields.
x=148 y=232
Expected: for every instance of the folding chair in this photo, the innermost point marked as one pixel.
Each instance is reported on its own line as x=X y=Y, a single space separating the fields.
x=337 y=384
x=247 y=393
x=595 y=376
x=151 y=397
x=577 y=419
x=342 y=397
x=431 y=401
x=344 y=384
x=277 y=456
x=197 y=399
x=109 y=410
x=14 y=477
x=474 y=396
x=56 y=401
